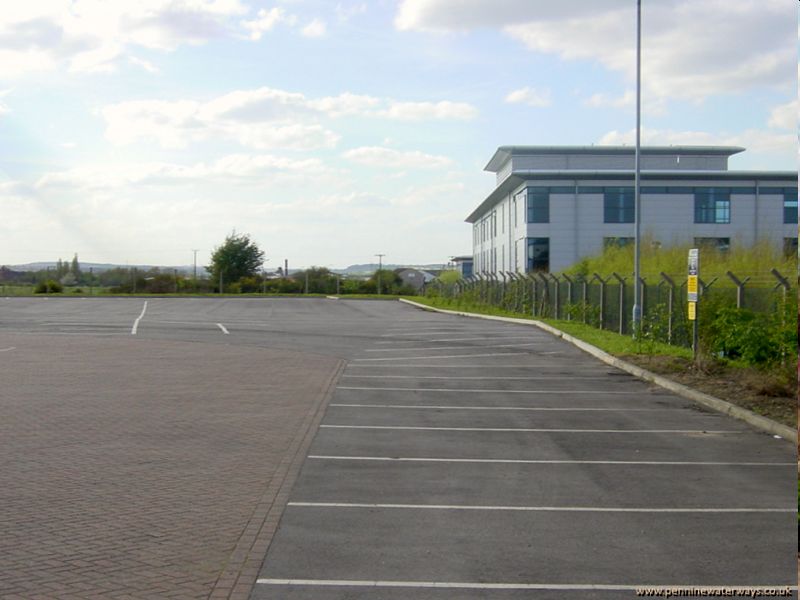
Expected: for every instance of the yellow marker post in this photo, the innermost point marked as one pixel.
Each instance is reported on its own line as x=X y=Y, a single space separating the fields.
x=692 y=294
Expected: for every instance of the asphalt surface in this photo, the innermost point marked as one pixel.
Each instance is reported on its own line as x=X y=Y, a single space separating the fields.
x=460 y=458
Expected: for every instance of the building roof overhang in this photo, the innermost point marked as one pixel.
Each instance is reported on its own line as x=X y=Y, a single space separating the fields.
x=517 y=178
x=503 y=153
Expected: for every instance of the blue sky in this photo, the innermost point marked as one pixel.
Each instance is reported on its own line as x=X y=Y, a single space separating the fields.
x=136 y=131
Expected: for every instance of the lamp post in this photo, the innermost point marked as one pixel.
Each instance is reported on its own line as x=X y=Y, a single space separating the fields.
x=194 y=272
x=380 y=268
x=637 y=217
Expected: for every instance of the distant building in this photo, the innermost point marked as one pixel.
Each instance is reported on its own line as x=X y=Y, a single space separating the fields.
x=553 y=205
x=463 y=265
x=415 y=278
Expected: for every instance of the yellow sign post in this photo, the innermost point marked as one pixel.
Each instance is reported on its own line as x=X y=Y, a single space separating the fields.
x=692 y=294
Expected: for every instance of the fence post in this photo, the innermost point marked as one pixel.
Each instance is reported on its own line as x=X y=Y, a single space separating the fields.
x=643 y=290
x=569 y=294
x=584 y=296
x=739 y=288
x=621 y=281
x=557 y=295
x=783 y=283
x=670 y=301
x=544 y=307
x=534 y=290
x=602 y=299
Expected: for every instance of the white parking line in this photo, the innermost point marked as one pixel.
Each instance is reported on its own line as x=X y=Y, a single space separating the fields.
x=460 y=391
x=406 y=333
x=466 y=339
x=492 y=367
x=516 y=461
x=135 y=327
x=222 y=327
x=615 y=509
x=530 y=408
x=443 y=356
x=532 y=430
x=452 y=347
x=9 y=349
x=576 y=587
x=471 y=378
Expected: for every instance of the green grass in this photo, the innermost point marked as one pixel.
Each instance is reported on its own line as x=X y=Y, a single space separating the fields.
x=611 y=342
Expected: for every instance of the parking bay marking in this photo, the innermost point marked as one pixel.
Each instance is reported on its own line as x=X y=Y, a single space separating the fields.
x=492 y=586
x=537 y=378
x=613 y=509
x=520 y=461
x=222 y=327
x=430 y=407
x=135 y=327
x=456 y=390
x=534 y=430
x=453 y=347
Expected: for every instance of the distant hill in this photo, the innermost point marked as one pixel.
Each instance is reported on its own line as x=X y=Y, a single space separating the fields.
x=362 y=269
x=100 y=267
x=369 y=268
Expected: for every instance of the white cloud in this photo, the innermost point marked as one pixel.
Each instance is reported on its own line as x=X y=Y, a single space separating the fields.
x=604 y=100
x=375 y=156
x=179 y=123
x=418 y=111
x=314 y=29
x=530 y=96
x=92 y=35
x=345 y=13
x=754 y=140
x=266 y=20
x=262 y=118
x=231 y=167
x=690 y=49
x=785 y=116
x=144 y=64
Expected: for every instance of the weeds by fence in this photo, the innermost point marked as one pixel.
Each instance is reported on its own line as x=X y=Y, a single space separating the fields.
x=736 y=303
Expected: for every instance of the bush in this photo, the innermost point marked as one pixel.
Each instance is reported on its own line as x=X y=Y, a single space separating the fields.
x=49 y=287
x=757 y=339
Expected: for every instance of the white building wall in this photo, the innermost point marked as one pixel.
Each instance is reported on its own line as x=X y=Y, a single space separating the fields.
x=576 y=226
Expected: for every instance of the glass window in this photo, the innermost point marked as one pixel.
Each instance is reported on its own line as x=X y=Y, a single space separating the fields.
x=618 y=205
x=790 y=247
x=712 y=205
x=721 y=244
x=538 y=205
x=790 y=205
x=538 y=254
x=617 y=242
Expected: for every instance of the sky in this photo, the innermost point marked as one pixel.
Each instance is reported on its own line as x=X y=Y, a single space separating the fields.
x=138 y=131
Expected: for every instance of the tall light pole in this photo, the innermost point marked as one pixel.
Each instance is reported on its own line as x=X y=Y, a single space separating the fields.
x=637 y=217
x=380 y=268
x=194 y=273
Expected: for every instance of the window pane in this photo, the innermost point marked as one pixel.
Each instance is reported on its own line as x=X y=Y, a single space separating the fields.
x=712 y=205
x=790 y=206
x=618 y=205
x=538 y=205
x=538 y=254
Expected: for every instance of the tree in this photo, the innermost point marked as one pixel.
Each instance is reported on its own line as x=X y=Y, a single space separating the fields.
x=237 y=257
x=75 y=267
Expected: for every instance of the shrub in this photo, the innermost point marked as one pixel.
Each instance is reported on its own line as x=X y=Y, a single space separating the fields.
x=49 y=287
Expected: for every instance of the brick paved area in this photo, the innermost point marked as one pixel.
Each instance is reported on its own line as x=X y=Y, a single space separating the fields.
x=136 y=468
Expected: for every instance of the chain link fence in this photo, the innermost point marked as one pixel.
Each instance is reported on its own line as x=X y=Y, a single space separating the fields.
x=606 y=301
